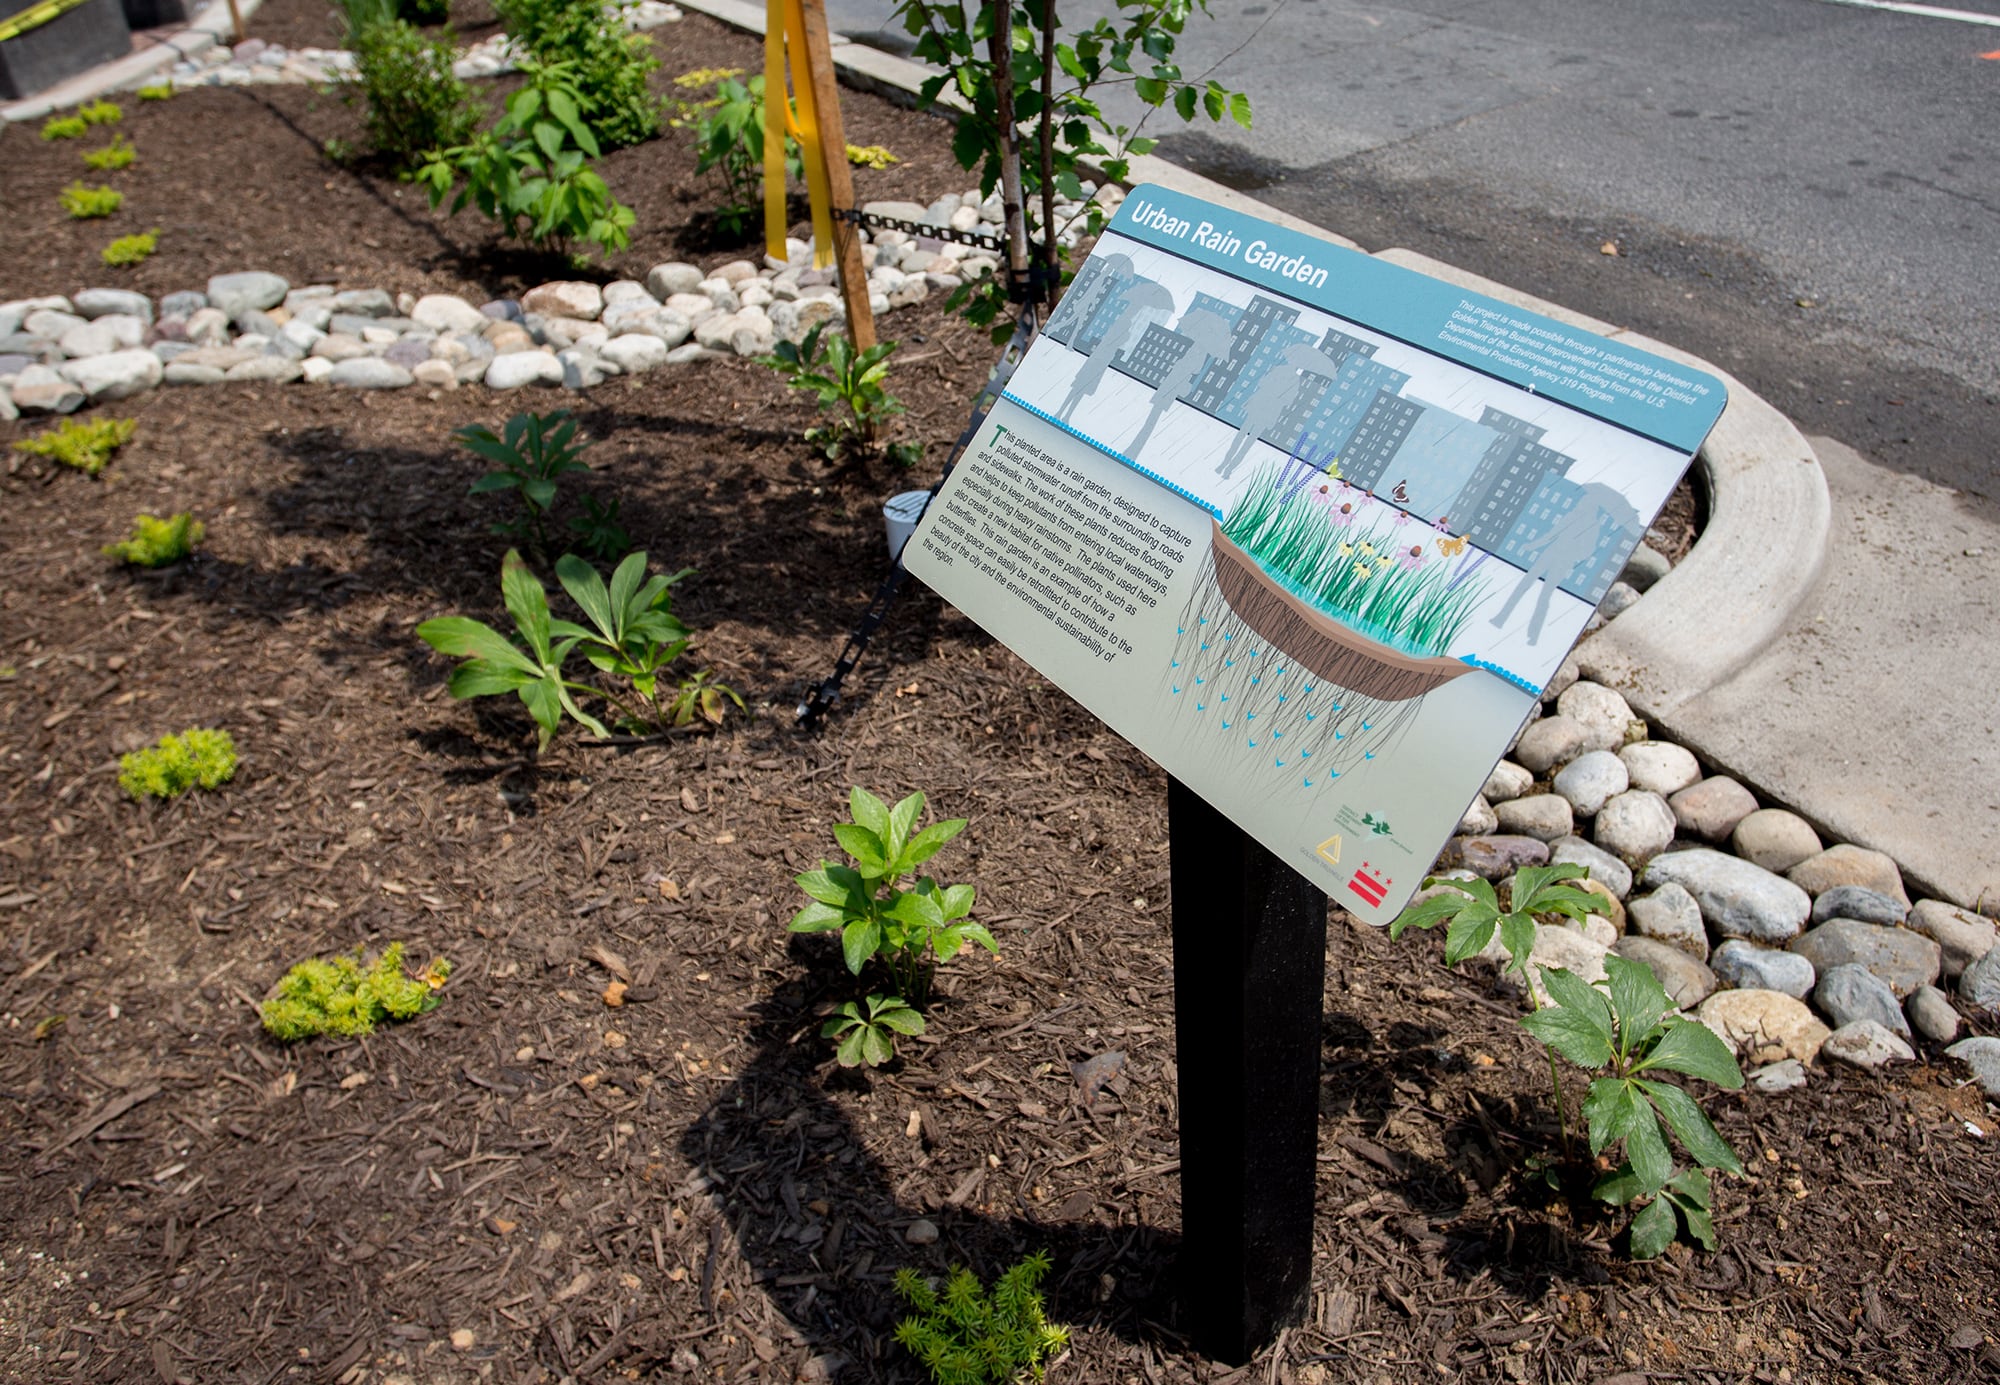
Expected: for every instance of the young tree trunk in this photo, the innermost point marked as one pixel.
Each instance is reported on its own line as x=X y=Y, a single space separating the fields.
x=1053 y=278
x=1000 y=51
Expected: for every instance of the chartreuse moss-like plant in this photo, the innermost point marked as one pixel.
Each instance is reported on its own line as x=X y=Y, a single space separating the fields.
x=100 y=113
x=65 y=127
x=85 y=446
x=870 y=156
x=159 y=91
x=348 y=995
x=1626 y=1030
x=131 y=250
x=158 y=542
x=905 y=932
x=120 y=153
x=195 y=759
x=966 y=1336
x=84 y=203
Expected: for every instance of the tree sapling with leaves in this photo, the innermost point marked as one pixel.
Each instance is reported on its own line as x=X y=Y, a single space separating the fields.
x=1625 y=1028
x=905 y=933
x=842 y=378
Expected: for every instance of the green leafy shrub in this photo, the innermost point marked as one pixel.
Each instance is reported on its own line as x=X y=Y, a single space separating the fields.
x=88 y=203
x=117 y=154
x=682 y=111
x=633 y=635
x=415 y=102
x=348 y=996
x=729 y=139
x=609 y=66
x=100 y=113
x=158 y=542
x=195 y=759
x=532 y=450
x=87 y=446
x=870 y=156
x=158 y=91
x=1624 y=1027
x=906 y=933
x=531 y=172
x=597 y=529
x=65 y=127
x=850 y=382
x=964 y=1336
x=131 y=250
x=425 y=11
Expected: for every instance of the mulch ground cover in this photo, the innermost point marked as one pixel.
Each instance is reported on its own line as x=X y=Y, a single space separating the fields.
x=686 y=1185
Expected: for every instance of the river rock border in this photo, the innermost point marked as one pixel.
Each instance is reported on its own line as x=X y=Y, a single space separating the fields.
x=59 y=353
x=1787 y=946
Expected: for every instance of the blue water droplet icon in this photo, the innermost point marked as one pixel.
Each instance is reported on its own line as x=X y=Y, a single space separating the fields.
x=1307 y=690
x=1225 y=697
x=1277 y=735
x=1225 y=726
x=1253 y=745
x=1311 y=715
x=1282 y=697
x=1337 y=736
x=1201 y=706
x=1334 y=775
x=1305 y=755
x=1368 y=755
x=1177 y=691
x=1204 y=647
x=1230 y=636
x=1199 y=681
x=1174 y=663
x=1229 y=663
x=1366 y=727
x=1279 y=763
x=1309 y=783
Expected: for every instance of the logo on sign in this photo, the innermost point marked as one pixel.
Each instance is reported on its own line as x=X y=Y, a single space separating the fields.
x=1371 y=885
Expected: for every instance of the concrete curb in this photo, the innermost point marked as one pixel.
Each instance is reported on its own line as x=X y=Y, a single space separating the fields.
x=132 y=69
x=1765 y=544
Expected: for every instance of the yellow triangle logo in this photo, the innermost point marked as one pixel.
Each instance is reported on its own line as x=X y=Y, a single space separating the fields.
x=1329 y=850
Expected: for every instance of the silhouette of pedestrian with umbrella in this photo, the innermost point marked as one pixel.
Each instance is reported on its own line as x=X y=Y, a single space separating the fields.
x=1209 y=337
x=1274 y=394
x=1571 y=540
x=1145 y=302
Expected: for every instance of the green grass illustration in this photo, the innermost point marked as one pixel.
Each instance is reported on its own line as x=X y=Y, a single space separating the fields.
x=1363 y=576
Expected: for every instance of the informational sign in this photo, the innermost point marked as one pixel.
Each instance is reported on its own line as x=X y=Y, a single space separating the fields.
x=1311 y=530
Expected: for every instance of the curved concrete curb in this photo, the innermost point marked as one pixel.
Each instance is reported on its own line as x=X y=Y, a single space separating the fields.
x=134 y=68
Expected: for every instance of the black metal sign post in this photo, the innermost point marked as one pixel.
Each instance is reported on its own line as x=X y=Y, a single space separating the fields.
x=1249 y=983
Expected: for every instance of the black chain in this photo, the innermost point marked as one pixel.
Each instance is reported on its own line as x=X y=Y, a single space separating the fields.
x=978 y=239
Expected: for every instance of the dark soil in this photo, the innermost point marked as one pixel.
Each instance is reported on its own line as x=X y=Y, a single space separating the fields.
x=685 y=1184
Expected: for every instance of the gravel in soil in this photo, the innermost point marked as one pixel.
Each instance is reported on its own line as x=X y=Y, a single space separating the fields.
x=532 y=1184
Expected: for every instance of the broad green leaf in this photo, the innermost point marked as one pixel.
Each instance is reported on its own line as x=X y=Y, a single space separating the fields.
x=858 y=942
x=928 y=843
x=586 y=589
x=851 y=1052
x=868 y=811
x=916 y=909
x=1637 y=997
x=1690 y=1195
x=819 y=885
x=956 y=902
x=976 y=932
x=478 y=678
x=539 y=491
x=1652 y=1229
x=877 y=1047
x=817 y=917
x=1572 y=992
x=1691 y=1047
x=901 y=1018
x=1647 y=1148
x=468 y=638
x=1184 y=100
x=1570 y=1034
x=1530 y=881
x=626 y=581
x=494 y=481
x=1697 y=1133
x=544 y=703
x=1239 y=109
x=1428 y=913
x=901 y=819
x=1471 y=929
x=863 y=845
x=1613 y=1108
x=1517 y=935
x=527 y=602
x=1618 y=1187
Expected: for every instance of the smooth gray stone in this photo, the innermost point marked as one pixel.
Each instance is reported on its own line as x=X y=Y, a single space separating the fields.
x=26 y=345
x=1930 y=1013
x=1858 y=902
x=1904 y=959
x=1687 y=982
x=38 y=389
x=1748 y=967
x=1781 y=1076
x=1978 y=984
x=1493 y=857
x=258 y=323
x=168 y=350
x=1589 y=781
x=184 y=303
x=502 y=310
x=1645 y=567
x=178 y=374
x=1670 y=915
x=236 y=294
x=96 y=303
x=1851 y=992
x=268 y=369
x=353 y=324
x=116 y=374
x=369 y=373
x=1961 y=935
x=374 y=303
x=1606 y=869
x=1738 y=899
x=13 y=363
x=1866 y=1044
x=1982 y=1054
x=408 y=352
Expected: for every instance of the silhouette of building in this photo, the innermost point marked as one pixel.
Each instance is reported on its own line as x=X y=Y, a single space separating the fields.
x=1154 y=354
x=1487 y=506
x=1095 y=299
x=1438 y=457
x=1268 y=355
x=1553 y=498
x=1318 y=426
x=1378 y=438
x=1218 y=383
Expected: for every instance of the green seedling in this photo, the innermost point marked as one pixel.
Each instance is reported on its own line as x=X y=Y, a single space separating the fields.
x=65 y=127
x=599 y=531
x=349 y=996
x=159 y=91
x=905 y=932
x=131 y=250
x=158 y=542
x=195 y=759
x=120 y=153
x=847 y=381
x=965 y=1336
x=533 y=451
x=85 y=203
x=85 y=446
x=100 y=113
x=729 y=139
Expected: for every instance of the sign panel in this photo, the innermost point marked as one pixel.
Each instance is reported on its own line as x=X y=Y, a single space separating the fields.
x=1311 y=530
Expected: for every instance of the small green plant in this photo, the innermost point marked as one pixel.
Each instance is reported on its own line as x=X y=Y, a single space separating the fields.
x=415 y=102
x=610 y=67
x=870 y=156
x=1626 y=1028
x=533 y=451
x=904 y=932
x=964 y=1336
x=131 y=250
x=87 y=446
x=531 y=172
x=65 y=127
x=88 y=203
x=848 y=381
x=729 y=138
x=682 y=111
x=159 y=91
x=195 y=759
x=597 y=529
x=158 y=542
x=633 y=635
x=100 y=113
x=349 y=996
x=120 y=153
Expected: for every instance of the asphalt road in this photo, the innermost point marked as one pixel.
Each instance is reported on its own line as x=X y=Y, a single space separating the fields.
x=1803 y=191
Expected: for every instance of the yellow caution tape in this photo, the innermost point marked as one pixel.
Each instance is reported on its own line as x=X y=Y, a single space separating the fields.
x=785 y=25
x=34 y=17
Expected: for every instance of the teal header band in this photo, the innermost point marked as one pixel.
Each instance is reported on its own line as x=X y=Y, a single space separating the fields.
x=1626 y=387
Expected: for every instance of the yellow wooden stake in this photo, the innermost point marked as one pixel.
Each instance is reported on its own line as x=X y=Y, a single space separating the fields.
x=839 y=178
